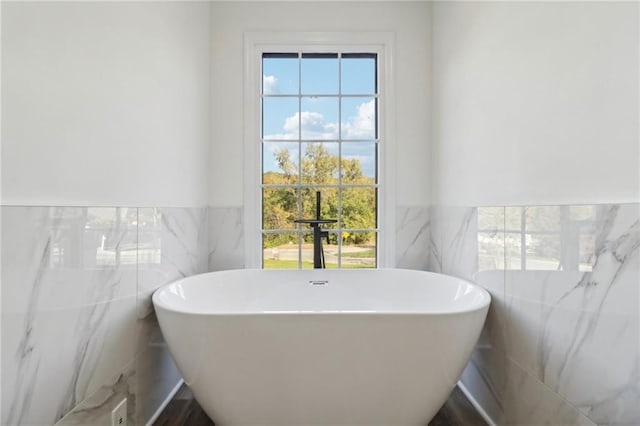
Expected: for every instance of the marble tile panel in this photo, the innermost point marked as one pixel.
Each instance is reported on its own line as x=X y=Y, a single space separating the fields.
x=576 y=328
x=485 y=376
x=455 y=242
x=469 y=243
x=226 y=244
x=599 y=267
x=534 y=237
x=412 y=237
x=66 y=257
x=586 y=357
x=490 y=239
x=529 y=402
x=466 y=240
x=435 y=239
x=156 y=372
x=78 y=350
x=568 y=316
x=96 y=409
x=590 y=359
x=68 y=306
x=482 y=388
x=171 y=246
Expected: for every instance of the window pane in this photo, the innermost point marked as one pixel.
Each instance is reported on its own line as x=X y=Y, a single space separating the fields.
x=280 y=163
x=280 y=250
x=280 y=75
x=331 y=250
x=307 y=250
x=359 y=249
x=358 y=117
x=328 y=208
x=359 y=208
x=359 y=163
x=319 y=118
x=320 y=163
x=279 y=208
x=280 y=118
x=358 y=75
x=319 y=74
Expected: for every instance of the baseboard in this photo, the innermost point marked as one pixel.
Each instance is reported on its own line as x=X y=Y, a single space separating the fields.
x=165 y=402
x=475 y=404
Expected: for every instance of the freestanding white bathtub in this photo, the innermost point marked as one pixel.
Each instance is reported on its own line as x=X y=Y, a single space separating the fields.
x=321 y=347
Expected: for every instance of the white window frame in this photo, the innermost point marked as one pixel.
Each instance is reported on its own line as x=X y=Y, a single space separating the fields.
x=257 y=43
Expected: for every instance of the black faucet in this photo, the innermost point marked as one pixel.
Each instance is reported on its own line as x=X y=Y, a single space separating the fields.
x=318 y=234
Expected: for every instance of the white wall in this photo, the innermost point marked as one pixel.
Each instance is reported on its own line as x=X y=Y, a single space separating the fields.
x=535 y=103
x=105 y=103
x=411 y=23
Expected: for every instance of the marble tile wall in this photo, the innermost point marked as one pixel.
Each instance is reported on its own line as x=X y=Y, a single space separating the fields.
x=412 y=237
x=226 y=244
x=172 y=244
x=76 y=301
x=77 y=322
x=561 y=341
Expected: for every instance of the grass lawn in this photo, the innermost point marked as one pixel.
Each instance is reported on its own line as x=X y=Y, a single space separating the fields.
x=360 y=254
x=293 y=264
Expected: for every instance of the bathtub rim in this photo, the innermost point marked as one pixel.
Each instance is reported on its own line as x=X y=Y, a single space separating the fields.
x=483 y=304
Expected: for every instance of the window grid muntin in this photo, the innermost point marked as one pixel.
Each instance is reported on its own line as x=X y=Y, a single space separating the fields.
x=299 y=185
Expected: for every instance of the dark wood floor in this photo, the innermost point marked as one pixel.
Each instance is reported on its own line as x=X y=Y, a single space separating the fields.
x=183 y=410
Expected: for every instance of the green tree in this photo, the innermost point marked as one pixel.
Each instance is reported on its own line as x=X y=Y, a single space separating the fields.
x=318 y=167
x=286 y=164
x=352 y=171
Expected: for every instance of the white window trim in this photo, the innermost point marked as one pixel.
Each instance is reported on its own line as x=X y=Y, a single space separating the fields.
x=256 y=43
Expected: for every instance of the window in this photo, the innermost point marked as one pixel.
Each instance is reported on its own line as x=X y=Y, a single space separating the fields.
x=319 y=133
x=294 y=123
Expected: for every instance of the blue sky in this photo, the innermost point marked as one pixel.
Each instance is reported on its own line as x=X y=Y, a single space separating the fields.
x=318 y=116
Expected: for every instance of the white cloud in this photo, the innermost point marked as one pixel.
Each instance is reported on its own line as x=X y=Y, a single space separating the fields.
x=269 y=84
x=314 y=125
x=362 y=126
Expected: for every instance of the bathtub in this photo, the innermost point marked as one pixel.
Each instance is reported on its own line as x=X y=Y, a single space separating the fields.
x=321 y=347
